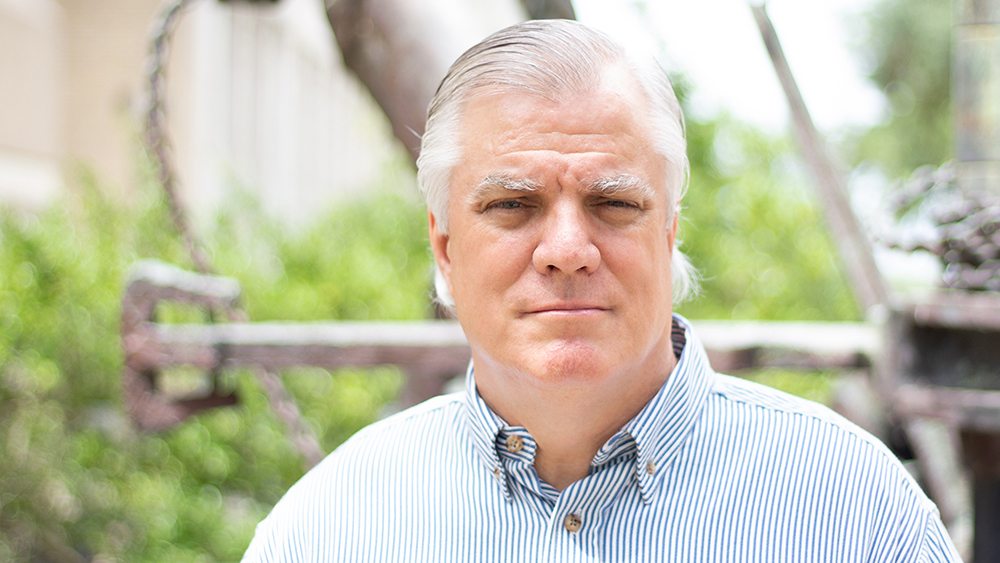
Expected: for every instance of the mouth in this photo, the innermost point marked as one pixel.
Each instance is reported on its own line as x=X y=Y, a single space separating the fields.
x=568 y=309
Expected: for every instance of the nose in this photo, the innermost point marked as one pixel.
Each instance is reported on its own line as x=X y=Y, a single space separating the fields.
x=566 y=243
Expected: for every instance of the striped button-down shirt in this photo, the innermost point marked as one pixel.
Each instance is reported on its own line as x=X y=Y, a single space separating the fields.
x=714 y=468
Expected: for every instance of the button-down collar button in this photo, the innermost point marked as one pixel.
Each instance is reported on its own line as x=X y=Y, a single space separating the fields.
x=573 y=522
x=514 y=443
x=650 y=467
x=496 y=472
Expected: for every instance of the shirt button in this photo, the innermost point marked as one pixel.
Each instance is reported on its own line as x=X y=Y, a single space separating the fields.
x=650 y=467
x=496 y=472
x=573 y=522
x=514 y=443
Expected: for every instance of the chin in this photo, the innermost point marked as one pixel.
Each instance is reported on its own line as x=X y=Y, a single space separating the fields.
x=570 y=362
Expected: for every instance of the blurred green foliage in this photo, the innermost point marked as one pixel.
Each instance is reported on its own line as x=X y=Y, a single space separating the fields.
x=907 y=46
x=815 y=386
x=750 y=225
x=76 y=480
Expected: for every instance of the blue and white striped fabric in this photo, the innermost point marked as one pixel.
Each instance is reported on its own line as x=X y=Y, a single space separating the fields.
x=712 y=469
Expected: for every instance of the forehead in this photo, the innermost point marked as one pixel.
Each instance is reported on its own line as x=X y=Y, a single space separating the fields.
x=612 y=93
x=603 y=131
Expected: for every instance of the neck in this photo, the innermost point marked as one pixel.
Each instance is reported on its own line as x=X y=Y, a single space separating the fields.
x=570 y=424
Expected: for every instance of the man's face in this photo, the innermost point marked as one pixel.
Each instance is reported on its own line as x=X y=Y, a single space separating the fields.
x=558 y=250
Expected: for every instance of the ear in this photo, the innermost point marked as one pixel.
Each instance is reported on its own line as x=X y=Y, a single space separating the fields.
x=439 y=245
x=672 y=235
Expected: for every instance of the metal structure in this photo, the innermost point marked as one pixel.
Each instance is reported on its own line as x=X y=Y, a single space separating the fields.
x=939 y=372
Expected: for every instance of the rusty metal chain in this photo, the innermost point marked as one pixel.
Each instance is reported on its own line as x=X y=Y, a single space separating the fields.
x=965 y=233
x=157 y=141
x=156 y=137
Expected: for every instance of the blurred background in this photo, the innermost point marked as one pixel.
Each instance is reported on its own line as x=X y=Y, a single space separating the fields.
x=298 y=180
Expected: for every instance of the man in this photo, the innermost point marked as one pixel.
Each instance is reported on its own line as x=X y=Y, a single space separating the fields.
x=592 y=427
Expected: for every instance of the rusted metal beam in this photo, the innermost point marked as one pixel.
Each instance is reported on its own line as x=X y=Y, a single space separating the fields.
x=430 y=353
x=950 y=339
x=151 y=282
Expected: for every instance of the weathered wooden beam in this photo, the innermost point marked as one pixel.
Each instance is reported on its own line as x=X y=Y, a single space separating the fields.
x=401 y=49
x=422 y=348
x=441 y=345
x=958 y=309
x=849 y=238
x=739 y=345
x=938 y=452
x=965 y=408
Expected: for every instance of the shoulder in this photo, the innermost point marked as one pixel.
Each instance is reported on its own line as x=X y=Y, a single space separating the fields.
x=403 y=437
x=754 y=399
x=798 y=444
x=433 y=415
x=327 y=514
x=805 y=438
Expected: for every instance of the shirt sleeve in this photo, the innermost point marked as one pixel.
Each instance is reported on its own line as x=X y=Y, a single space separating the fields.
x=265 y=549
x=908 y=527
x=937 y=545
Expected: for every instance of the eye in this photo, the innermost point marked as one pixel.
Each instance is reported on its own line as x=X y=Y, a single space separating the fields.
x=505 y=205
x=618 y=212
x=619 y=204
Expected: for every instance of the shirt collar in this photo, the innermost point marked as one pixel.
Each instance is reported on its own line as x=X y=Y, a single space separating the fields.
x=662 y=426
x=484 y=425
x=658 y=431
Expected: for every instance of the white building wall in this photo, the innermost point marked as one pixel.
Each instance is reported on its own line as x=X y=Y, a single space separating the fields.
x=31 y=88
x=275 y=113
x=258 y=100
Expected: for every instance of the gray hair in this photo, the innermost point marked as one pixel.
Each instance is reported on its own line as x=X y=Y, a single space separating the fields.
x=548 y=58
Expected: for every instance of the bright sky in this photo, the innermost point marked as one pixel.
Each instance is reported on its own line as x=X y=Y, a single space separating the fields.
x=717 y=45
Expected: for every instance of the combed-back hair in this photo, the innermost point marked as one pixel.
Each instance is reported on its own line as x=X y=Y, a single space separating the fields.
x=553 y=59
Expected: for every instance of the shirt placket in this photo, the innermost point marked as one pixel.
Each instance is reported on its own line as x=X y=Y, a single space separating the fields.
x=576 y=524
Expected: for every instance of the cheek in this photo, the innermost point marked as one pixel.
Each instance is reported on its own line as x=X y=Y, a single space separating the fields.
x=643 y=267
x=485 y=264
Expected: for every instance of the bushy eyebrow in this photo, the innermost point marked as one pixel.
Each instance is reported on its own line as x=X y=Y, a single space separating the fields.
x=495 y=182
x=605 y=187
x=622 y=183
